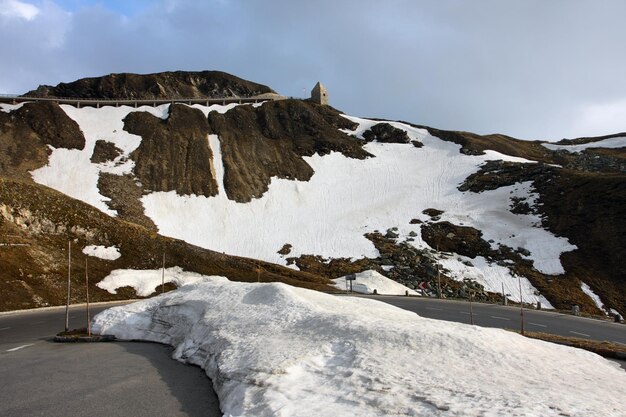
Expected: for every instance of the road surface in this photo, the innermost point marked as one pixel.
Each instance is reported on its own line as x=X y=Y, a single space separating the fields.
x=42 y=378
x=505 y=317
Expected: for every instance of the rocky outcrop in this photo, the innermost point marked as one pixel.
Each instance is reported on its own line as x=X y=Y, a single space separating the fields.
x=270 y=141
x=174 y=154
x=26 y=133
x=163 y=85
x=105 y=151
x=448 y=237
x=495 y=174
x=386 y=133
x=125 y=198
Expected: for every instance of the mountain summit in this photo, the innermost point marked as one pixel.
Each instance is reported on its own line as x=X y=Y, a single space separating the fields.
x=163 y=85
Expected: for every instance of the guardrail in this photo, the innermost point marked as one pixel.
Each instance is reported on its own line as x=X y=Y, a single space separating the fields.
x=87 y=102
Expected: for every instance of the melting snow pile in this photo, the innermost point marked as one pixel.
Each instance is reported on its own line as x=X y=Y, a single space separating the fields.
x=368 y=281
x=145 y=282
x=110 y=253
x=276 y=350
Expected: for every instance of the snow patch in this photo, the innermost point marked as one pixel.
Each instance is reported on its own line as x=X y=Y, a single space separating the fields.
x=8 y=108
x=368 y=281
x=613 y=143
x=493 y=278
x=276 y=350
x=145 y=282
x=110 y=253
x=596 y=299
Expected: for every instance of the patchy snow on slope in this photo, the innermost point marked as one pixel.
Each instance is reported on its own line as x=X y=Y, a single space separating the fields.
x=368 y=281
x=493 y=277
x=596 y=299
x=346 y=198
x=276 y=350
x=71 y=170
x=619 y=142
x=145 y=282
x=109 y=253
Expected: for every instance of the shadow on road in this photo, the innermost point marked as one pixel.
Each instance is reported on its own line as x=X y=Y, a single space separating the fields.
x=188 y=384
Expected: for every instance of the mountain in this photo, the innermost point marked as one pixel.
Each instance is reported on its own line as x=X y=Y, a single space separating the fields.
x=302 y=185
x=164 y=85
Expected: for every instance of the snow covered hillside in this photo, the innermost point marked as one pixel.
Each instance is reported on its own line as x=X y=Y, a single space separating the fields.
x=329 y=214
x=276 y=350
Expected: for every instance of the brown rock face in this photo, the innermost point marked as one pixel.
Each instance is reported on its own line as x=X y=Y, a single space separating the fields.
x=174 y=153
x=26 y=132
x=164 y=85
x=449 y=237
x=104 y=151
x=260 y=143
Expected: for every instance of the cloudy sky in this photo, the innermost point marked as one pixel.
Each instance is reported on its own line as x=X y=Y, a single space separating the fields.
x=533 y=69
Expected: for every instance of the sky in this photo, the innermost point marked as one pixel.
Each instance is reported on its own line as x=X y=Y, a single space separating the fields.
x=532 y=69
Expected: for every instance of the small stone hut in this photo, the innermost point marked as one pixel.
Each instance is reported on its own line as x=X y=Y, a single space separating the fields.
x=319 y=94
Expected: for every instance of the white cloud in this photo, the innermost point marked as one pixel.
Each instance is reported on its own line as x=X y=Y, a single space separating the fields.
x=601 y=118
x=16 y=8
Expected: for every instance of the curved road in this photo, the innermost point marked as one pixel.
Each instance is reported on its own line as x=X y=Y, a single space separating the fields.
x=42 y=378
x=39 y=377
x=509 y=317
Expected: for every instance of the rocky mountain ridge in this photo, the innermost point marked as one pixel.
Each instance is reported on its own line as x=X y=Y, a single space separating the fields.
x=163 y=85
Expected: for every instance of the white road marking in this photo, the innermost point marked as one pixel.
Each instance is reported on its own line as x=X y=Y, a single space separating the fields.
x=581 y=334
x=537 y=324
x=499 y=318
x=19 y=347
x=5 y=328
x=433 y=308
x=37 y=322
x=467 y=313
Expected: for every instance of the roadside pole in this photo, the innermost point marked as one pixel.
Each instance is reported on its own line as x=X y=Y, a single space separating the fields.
x=163 y=275
x=87 y=292
x=471 y=296
x=521 y=303
x=69 y=274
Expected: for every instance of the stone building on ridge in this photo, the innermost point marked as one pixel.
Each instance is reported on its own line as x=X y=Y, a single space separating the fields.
x=319 y=94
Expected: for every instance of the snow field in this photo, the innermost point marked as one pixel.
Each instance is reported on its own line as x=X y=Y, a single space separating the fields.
x=368 y=281
x=276 y=350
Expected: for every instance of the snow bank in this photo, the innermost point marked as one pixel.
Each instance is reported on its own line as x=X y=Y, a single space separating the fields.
x=110 y=253
x=145 y=282
x=619 y=142
x=276 y=350
x=368 y=281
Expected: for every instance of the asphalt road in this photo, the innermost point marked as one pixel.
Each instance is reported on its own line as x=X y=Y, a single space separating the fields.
x=42 y=378
x=505 y=317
